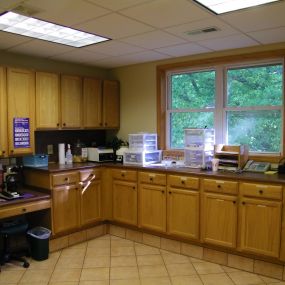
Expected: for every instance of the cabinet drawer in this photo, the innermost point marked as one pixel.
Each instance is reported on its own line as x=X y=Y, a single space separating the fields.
x=220 y=186
x=183 y=182
x=261 y=190
x=120 y=174
x=153 y=178
x=87 y=174
x=64 y=178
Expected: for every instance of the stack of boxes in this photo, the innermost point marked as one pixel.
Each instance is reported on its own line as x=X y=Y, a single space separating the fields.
x=199 y=147
x=142 y=150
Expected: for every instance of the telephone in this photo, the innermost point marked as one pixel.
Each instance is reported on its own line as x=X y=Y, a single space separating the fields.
x=256 y=166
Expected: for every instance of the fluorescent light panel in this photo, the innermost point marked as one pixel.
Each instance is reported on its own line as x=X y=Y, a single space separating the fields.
x=224 y=6
x=26 y=26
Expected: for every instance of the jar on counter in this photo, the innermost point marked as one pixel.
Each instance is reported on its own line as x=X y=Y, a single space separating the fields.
x=79 y=152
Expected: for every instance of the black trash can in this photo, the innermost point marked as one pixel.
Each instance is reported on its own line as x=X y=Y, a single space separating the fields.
x=39 y=242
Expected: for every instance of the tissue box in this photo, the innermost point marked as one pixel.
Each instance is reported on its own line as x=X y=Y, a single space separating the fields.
x=37 y=160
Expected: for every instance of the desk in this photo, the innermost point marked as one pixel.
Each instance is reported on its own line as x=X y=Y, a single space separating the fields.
x=39 y=201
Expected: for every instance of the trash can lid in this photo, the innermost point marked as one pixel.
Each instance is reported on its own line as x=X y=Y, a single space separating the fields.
x=39 y=232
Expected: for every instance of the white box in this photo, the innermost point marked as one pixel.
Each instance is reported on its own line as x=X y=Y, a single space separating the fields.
x=198 y=158
x=143 y=142
x=134 y=157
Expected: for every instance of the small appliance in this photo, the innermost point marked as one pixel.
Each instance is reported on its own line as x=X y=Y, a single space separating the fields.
x=100 y=154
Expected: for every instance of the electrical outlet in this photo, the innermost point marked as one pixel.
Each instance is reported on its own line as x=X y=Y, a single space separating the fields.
x=50 y=149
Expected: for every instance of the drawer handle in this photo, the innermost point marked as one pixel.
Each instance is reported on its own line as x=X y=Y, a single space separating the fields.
x=234 y=202
x=183 y=182
x=260 y=191
x=170 y=192
x=66 y=179
x=24 y=210
x=219 y=186
x=162 y=191
x=243 y=203
x=151 y=178
x=134 y=187
x=123 y=174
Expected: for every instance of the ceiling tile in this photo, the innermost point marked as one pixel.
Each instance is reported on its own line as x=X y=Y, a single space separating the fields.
x=117 y=5
x=183 y=50
x=154 y=40
x=258 y=18
x=165 y=13
x=231 y=42
x=269 y=36
x=114 y=26
x=114 y=48
x=223 y=29
x=8 y=40
x=66 y=12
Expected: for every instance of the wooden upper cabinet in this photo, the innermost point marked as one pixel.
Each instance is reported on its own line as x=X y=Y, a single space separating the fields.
x=111 y=104
x=71 y=101
x=3 y=113
x=47 y=100
x=92 y=103
x=21 y=106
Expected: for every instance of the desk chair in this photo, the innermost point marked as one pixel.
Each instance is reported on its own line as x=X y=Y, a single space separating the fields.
x=10 y=230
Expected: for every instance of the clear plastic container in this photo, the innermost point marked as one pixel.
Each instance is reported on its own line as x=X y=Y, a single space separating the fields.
x=133 y=157
x=143 y=142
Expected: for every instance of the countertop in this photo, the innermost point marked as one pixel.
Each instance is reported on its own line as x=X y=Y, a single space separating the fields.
x=245 y=176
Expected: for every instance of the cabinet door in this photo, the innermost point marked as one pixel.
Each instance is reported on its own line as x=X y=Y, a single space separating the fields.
x=21 y=105
x=3 y=113
x=260 y=225
x=47 y=100
x=219 y=220
x=92 y=103
x=111 y=104
x=183 y=213
x=90 y=202
x=152 y=207
x=71 y=101
x=125 y=202
x=65 y=207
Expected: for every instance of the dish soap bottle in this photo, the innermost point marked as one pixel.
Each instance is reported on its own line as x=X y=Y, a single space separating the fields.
x=68 y=156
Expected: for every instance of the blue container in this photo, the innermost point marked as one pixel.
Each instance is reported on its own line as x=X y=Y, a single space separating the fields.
x=37 y=160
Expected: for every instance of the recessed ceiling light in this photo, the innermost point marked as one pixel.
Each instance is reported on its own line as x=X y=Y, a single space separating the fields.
x=224 y=6
x=31 y=27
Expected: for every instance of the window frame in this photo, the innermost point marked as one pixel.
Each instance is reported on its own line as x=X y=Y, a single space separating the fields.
x=205 y=62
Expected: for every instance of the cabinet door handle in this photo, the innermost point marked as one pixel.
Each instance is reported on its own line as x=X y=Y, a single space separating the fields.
x=123 y=174
x=260 y=191
x=101 y=124
x=243 y=203
x=162 y=191
x=24 y=210
x=57 y=124
x=151 y=178
x=170 y=192
x=219 y=186
x=183 y=182
x=3 y=151
x=64 y=124
x=234 y=202
x=12 y=151
x=134 y=187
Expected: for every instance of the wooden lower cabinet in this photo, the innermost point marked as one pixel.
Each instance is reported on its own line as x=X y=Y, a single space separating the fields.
x=183 y=213
x=125 y=202
x=65 y=208
x=219 y=219
x=152 y=207
x=260 y=226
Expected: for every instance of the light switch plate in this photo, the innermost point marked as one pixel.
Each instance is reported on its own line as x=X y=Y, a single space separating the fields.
x=50 y=149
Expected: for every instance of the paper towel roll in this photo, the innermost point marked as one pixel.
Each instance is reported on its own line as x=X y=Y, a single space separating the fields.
x=61 y=153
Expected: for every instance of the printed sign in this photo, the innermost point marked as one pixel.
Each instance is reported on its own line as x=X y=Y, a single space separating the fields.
x=21 y=127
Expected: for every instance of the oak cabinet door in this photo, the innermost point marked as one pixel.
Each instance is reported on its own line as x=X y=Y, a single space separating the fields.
x=3 y=114
x=260 y=226
x=219 y=220
x=47 y=100
x=21 y=105
x=183 y=213
x=152 y=207
x=125 y=202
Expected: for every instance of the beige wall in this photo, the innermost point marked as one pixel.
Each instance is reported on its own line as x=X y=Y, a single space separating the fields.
x=138 y=90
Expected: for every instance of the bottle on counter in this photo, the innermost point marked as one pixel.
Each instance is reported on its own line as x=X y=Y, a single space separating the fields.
x=68 y=156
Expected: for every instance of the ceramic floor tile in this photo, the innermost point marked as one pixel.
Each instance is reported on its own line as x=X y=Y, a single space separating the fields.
x=79 y=245
x=187 y=280
x=97 y=282
x=148 y=271
x=156 y=281
x=121 y=243
x=269 y=280
x=217 y=278
x=67 y=262
x=174 y=258
x=36 y=276
x=245 y=278
x=119 y=261
x=45 y=264
x=229 y=269
x=62 y=283
x=97 y=261
x=207 y=268
x=12 y=276
x=153 y=259
x=91 y=274
x=125 y=282
x=146 y=250
x=98 y=243
x=121 y=251
x=13 y=265
x=66 y=275
x=73 y=252
x=92 y=252
x=180 y=269
x=128 y=272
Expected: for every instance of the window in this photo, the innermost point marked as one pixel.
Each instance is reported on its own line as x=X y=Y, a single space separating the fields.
x=243 y=103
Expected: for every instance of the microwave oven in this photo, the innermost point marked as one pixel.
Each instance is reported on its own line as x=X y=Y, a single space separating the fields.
x=100 y=154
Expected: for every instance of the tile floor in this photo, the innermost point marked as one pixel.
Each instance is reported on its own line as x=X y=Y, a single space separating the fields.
x=110 y=260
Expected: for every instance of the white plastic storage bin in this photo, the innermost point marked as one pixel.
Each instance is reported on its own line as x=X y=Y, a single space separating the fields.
x=198 y=158
x=200 y=139
x=133 y=157
x=143 y=142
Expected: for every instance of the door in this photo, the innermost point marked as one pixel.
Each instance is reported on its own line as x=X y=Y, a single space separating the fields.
x=219 y=220
x=21 y=110
x=47 y=100
x=183 y=213
x=260 y=225
x=92 y=103
x=111 y=104
x=65 y=206
x=3 y=113
x=125 y=202
x=71 y=101
x=152 y=209
x=91 y=202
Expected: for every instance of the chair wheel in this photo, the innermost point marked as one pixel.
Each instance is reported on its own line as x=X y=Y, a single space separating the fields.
x=26 y=264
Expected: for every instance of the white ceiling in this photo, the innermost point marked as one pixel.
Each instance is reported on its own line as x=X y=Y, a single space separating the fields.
x=145 y=30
